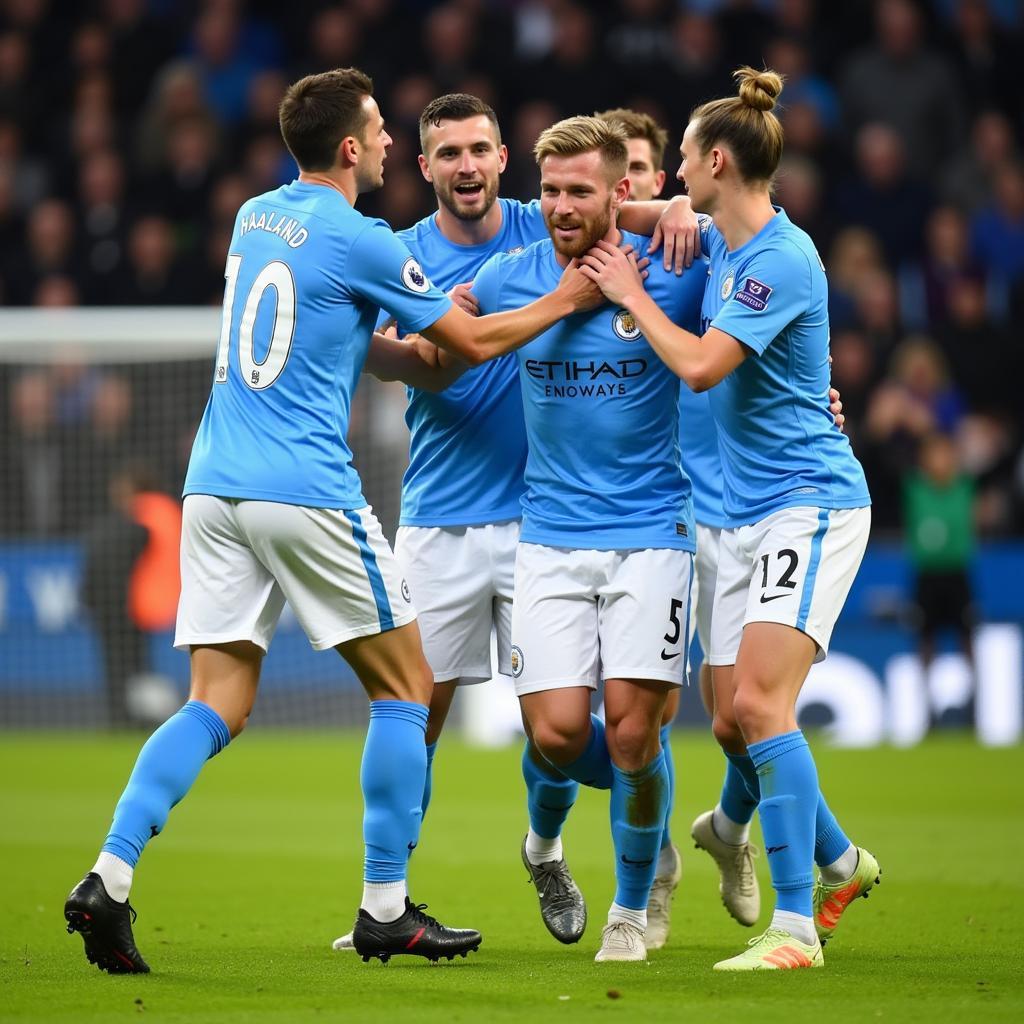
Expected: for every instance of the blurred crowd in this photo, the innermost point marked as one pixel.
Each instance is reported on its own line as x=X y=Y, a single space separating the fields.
x=131 y=131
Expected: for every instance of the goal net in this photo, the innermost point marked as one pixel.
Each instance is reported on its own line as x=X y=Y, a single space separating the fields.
x=98 y=409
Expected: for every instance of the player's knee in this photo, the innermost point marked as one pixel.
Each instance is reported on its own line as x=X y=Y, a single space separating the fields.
x=727 y=732
x=559 y=742
x=413 y=686
x=753 y=709
x=632 y=741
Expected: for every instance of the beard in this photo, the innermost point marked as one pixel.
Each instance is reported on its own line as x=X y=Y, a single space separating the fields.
x=369 y=178
x=591 y=231
x=457 y=207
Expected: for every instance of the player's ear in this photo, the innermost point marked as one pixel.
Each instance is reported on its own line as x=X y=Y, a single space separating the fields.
x=502 y=158
x=425 y=168
x=348 y=151
x=659 y=183
x=620 y=191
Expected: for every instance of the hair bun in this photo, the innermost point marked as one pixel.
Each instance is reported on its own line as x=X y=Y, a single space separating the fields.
x=758 y=89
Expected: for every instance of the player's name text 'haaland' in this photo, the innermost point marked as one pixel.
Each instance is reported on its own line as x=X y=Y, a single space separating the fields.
x=288 y=229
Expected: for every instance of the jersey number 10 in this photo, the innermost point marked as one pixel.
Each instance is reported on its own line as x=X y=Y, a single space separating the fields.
x=257 y=375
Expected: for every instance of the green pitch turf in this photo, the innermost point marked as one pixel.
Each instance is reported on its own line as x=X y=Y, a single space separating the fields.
x=259 y=870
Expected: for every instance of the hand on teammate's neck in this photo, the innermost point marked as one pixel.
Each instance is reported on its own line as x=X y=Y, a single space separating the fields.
x=612 y=235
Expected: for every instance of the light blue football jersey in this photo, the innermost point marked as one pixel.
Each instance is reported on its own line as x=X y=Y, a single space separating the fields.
x=698 y=448
x=602 y=413
x=306 y=275
x=698 y=435
x=780 y=445
x=467 y=444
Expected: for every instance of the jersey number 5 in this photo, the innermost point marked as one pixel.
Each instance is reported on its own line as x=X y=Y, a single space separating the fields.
x=257 y=375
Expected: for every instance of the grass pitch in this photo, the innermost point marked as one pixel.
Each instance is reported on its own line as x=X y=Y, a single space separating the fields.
x=259 y=869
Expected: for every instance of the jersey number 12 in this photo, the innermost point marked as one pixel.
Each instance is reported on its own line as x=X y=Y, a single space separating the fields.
x=257 y=375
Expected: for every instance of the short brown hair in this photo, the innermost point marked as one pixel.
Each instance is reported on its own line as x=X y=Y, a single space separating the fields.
x=745 y=123
x=576 y=135
x=640 y=126
x=319 y=111
x=455 y=106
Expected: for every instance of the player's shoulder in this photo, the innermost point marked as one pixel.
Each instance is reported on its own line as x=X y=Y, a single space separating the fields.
x=661 y=281
x=638 y=242
x=784 y=243
x=424 y=231
x=362 y=231
x=534 y=254
x=537 y=251
x=515 y=210
x=711 y=240
x=801 y=248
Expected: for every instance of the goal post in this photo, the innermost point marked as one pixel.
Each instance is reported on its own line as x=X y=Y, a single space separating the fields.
x=85 y=392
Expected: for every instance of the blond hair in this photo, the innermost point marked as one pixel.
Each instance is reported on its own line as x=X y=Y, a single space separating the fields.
x=639 y=125
x=745 y=123
x=577 y=135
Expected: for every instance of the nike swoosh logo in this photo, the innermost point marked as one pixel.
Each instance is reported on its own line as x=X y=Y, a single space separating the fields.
x=776 y=849
x=668 y=657
x=636 y=863
x=774 y=597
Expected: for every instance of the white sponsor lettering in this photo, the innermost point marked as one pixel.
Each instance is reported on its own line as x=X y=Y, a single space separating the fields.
x=901 y=709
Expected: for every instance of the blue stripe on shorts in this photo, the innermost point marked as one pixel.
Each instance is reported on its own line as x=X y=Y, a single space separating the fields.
x=380 y=592
x=812 y=569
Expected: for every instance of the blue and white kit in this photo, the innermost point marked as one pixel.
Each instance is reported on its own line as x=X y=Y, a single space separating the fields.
x=306 y=276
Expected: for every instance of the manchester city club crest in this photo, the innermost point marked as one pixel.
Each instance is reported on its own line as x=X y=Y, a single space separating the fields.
x=727 y=284
x=516 y=659
x=625 y=325
x=413 y=277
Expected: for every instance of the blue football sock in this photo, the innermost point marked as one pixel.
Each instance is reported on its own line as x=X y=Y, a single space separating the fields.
x=670 y=767
x=593 y=767
x=741 y=790
x=429 y=779
x=549 y=794
x=638 y=803
x=392 y=777
x=789 y=801
x=830 y=841
x=166 y=767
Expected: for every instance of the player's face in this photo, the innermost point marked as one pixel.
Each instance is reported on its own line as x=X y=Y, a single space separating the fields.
x=577 y=201
x=374 y=149
x=464 y=163
x=695 y=171
x=645 y=180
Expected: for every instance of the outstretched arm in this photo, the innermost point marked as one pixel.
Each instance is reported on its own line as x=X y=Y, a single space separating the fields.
x=477 y=339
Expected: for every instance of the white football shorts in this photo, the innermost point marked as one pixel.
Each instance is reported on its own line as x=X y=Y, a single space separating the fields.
x=582 y=615
x=705 y=576
x=240 y=561
x=794 y=567
x=462 y=578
